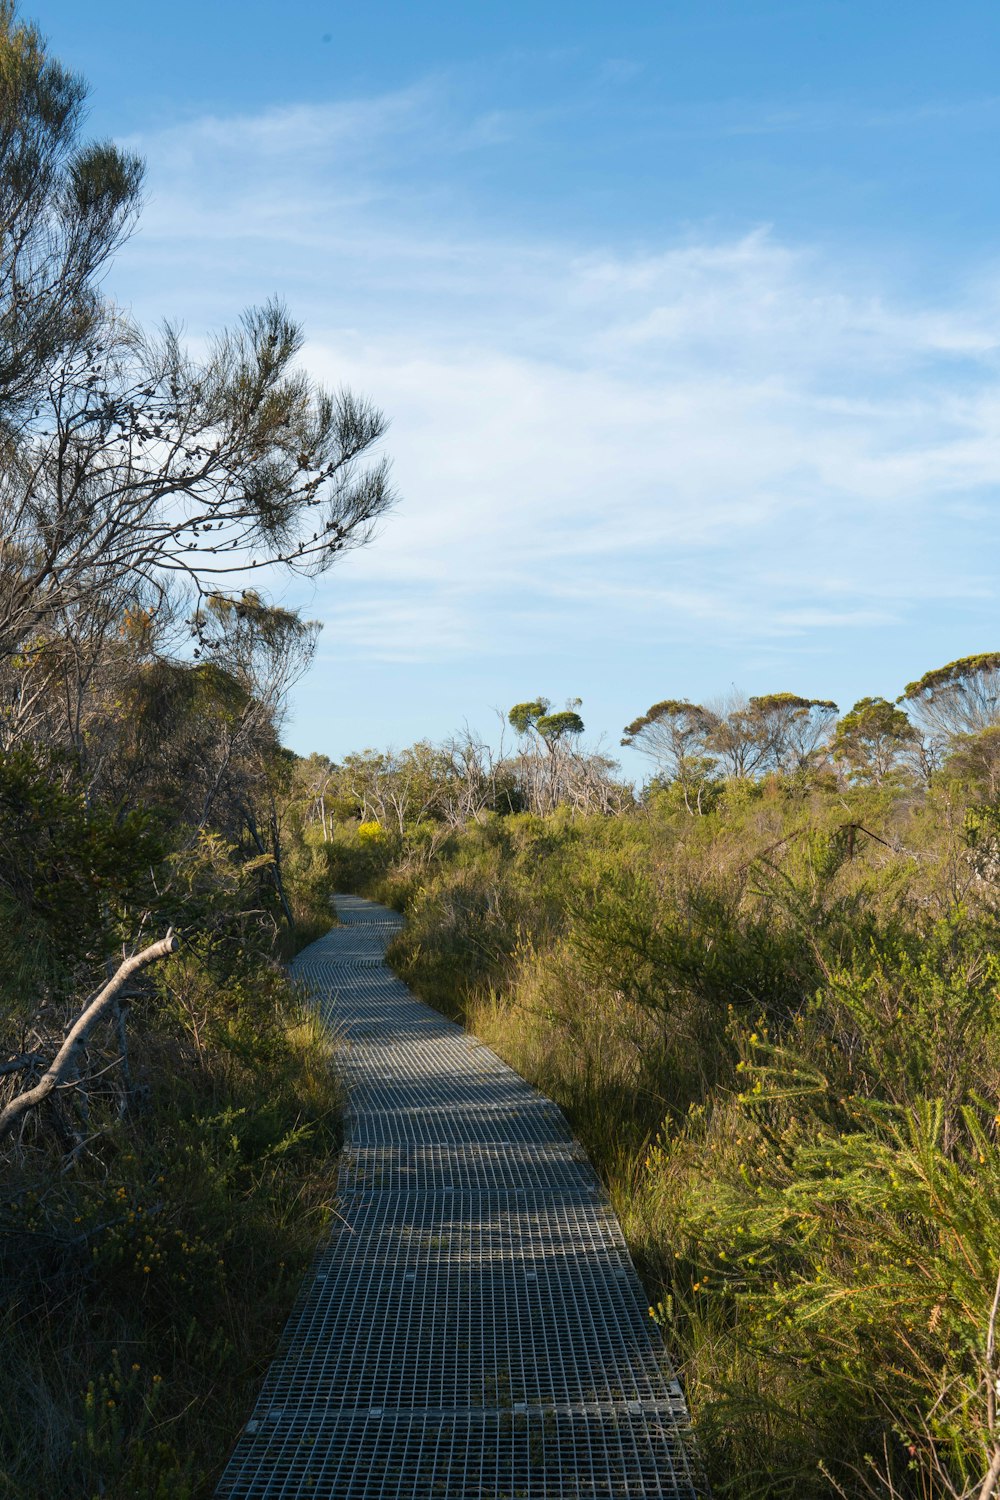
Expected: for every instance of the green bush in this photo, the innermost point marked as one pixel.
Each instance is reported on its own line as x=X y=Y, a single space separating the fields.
x=73 y=879
x=775 y=1026
x=144 y=1289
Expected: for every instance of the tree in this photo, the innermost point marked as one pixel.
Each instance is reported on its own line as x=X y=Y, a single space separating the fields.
x=139 y=486
x=146 y=466
x=395 y=787
x=976 y=758
x=793 y=728
x=737 y=738
x=741 y=737
x=524 y=716
x=263 y=651
x=65 y=206
x=314 y=778
x=873 y=739
x=477 y=779
x=774 y=732
x=562 y=725
x=958 y=699
x=124 y=463
x=673 y=734
x=550 y=771
x=551 y=728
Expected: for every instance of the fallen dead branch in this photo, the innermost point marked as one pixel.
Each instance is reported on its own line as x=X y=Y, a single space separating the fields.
x=62 y=1068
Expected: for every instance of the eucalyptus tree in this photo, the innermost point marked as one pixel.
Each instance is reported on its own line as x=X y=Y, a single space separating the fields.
x=956 y=709
x=673 y=734
x=314 y=780
x=794 y=729
x=874 y=741
x=975 y=758
x=552 y=770
x=396 y=788
x=740 y=737
x=960 y=698
x=543 y=766
x=771 y=732
x=535 y=718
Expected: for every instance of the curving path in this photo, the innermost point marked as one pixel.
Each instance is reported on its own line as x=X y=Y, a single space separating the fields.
x=474 y=1329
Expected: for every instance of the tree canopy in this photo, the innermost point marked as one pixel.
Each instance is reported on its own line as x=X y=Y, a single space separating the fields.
x=141 y=488
x=962 y=697
x=744 y=737
x=65 y=206
x=536 y=715
x=873 y=739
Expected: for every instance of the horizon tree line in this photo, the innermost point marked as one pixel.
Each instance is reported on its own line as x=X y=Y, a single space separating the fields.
x=948 y=719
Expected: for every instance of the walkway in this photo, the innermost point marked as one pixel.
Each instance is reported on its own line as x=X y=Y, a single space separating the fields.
x=474 y=1329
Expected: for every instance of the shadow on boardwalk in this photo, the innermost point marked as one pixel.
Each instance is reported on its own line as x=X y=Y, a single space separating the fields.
x=474 y=1329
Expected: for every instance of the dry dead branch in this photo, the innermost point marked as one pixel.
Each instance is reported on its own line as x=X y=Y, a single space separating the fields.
x=61 y=1069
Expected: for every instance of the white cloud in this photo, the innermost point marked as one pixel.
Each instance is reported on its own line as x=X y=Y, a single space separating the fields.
x=732 y=439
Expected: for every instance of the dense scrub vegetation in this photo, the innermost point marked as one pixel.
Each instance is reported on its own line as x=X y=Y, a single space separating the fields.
x=155 y=1218
x=769 y=1003
x=165 y=1151
x=766 y=991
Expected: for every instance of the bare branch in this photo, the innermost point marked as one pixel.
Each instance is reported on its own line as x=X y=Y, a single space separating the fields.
x=62 y=1066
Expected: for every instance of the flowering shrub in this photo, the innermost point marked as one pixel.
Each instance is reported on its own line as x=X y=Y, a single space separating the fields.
x=372 y=832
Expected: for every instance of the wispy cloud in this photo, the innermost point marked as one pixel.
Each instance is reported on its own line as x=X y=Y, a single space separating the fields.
x=735 y=118
x=729 y=440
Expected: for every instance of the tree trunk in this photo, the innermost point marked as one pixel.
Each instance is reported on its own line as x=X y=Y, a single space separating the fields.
x=279 y=884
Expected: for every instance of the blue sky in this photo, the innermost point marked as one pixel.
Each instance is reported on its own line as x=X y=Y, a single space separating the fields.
x=686 y=317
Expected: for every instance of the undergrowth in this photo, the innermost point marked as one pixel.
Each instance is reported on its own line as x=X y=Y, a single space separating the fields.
x=776 y=1028
x=156 y=1222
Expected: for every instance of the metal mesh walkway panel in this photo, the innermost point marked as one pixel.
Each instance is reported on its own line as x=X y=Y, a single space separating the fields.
x=474 y=1328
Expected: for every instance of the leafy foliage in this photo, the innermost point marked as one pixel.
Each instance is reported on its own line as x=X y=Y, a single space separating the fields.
x=156 y=1208
x=776 y=1028
x=72 y=879
x=873 y=739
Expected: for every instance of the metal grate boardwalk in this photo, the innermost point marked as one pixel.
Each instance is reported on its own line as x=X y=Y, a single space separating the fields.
x=474 y=1329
